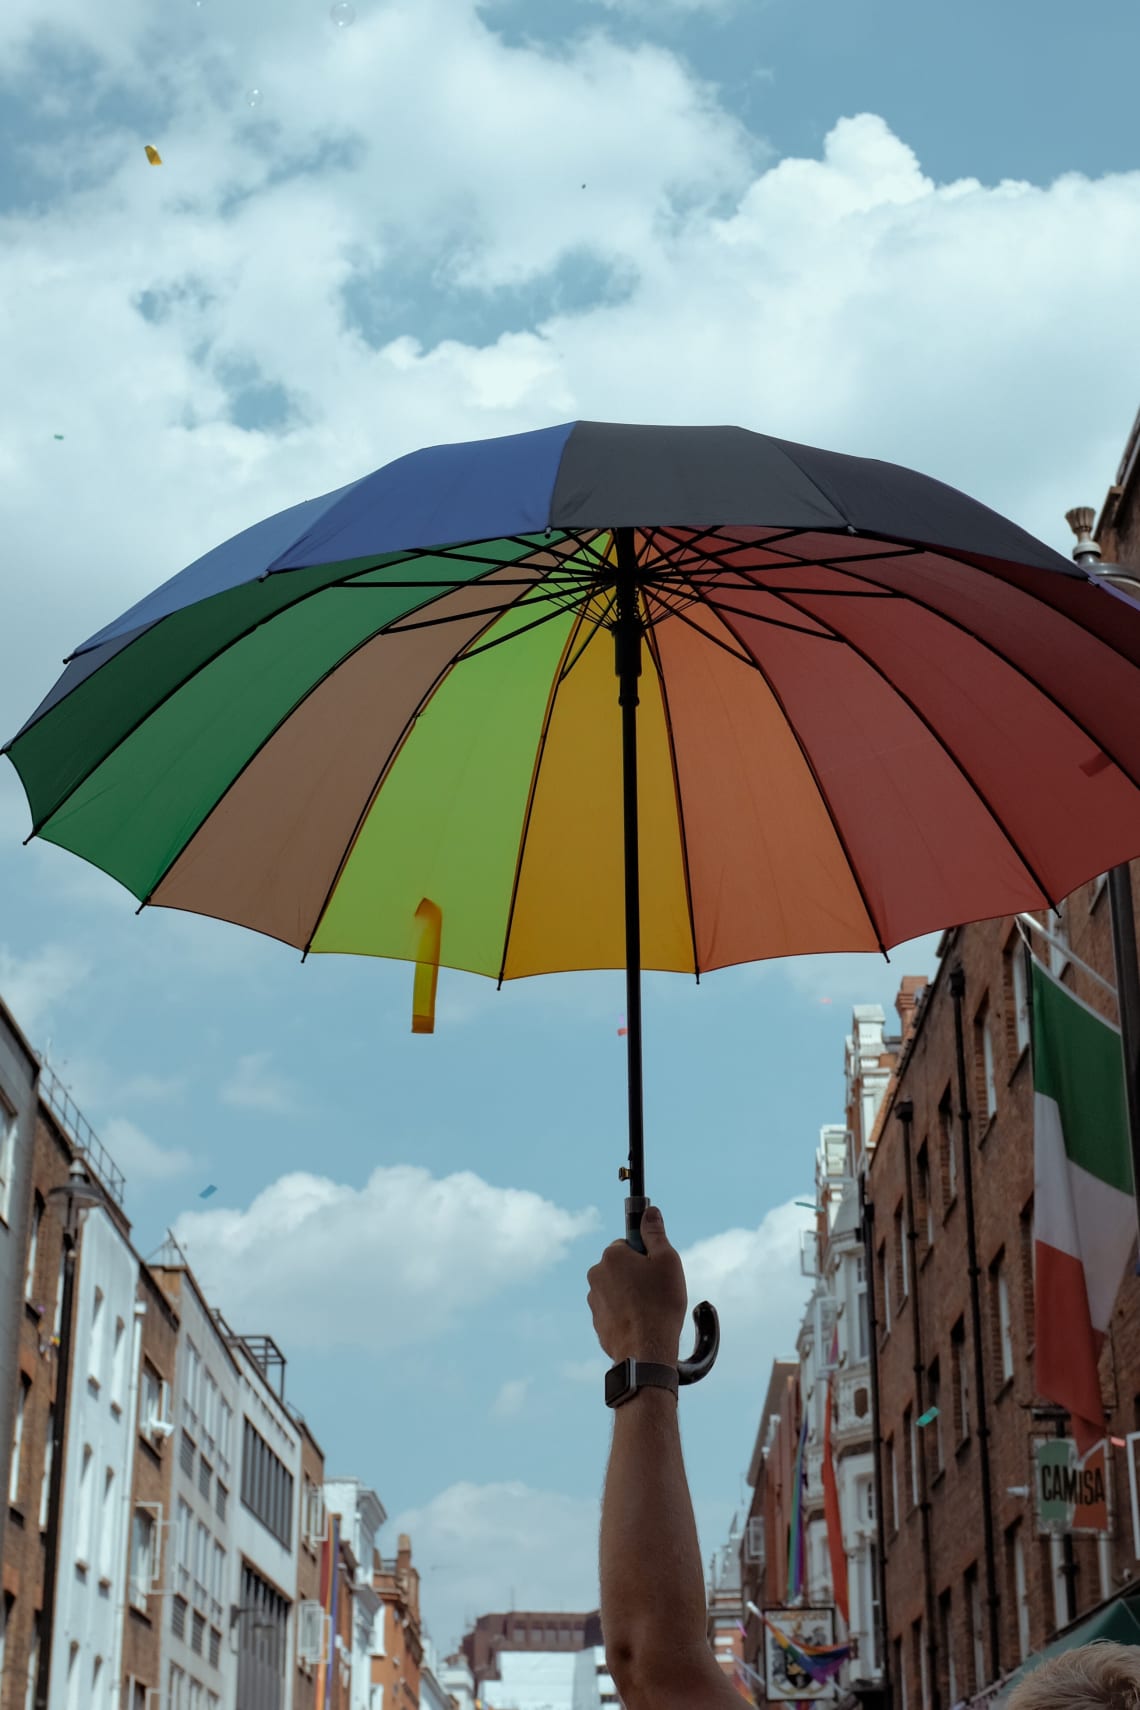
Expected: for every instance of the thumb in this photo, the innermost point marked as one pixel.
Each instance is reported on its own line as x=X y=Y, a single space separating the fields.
x=653 y=1229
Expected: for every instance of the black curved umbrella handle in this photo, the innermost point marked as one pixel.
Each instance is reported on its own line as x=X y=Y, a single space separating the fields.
x=707 y=1345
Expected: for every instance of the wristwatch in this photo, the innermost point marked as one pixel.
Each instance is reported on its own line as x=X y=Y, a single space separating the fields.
x=625 y=1379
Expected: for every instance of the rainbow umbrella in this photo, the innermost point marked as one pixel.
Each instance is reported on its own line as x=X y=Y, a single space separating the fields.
x=852 y=706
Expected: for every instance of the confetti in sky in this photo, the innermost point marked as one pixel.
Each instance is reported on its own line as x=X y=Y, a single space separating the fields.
x=153 y=155
x=207 y=1191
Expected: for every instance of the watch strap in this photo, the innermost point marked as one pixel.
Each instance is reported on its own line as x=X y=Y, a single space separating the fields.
x=628 y=1376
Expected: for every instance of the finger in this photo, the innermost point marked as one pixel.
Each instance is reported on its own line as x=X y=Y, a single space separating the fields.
x=653 y=1231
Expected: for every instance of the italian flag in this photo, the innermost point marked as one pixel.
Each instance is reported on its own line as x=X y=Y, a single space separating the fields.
x=1084 y=1210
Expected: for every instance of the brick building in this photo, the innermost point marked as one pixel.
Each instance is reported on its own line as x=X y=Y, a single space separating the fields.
x=524 y=1630
x=399 y=1650
x=19 y=1071
x=971 y=1589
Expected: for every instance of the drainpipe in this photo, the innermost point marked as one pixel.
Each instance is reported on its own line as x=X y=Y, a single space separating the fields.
x=958 y=993
x=904 y=1111
x=128 y=1497
x=867 y=1210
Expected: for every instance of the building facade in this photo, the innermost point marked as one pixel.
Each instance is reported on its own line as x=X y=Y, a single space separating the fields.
x=360 y=1514
x=398 y=1646
x=199 y=1586
x=19 y=1071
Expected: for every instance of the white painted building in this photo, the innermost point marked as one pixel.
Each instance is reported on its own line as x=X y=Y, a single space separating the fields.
x=834 y=1354
x=266 y=1527
x=434 y=1694
x=536 y=1680
x=91 y=1579
x=199 y=1668
x=592 y=1667
x=361 y=1517
x=454 y=1675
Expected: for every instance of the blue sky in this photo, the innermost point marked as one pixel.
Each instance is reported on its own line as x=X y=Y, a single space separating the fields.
x=894 y=230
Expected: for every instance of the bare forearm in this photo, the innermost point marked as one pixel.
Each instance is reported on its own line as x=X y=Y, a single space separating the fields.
x=653 y=1594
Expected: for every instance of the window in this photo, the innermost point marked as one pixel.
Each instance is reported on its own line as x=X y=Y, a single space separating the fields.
x=14 y=1468
x=261 y=1639
x=985 y=1079
x=83 y=1544
x=933 y=1405
x=908 y=1453
x=225 y=1433
x=884 y=1295
x=33 y=1248
x=95 y=1349
x=900 y=1675
x=918 y=1655
x=210 y=1408
x=915 y=1463
x=177 y=1696
x=924 y=1210
x=218 y=1585
x=893 y=1483
x=186 y=1455
x=949 y=1151
x=49 y=1460
x=1017 y=1590
x=946 y=1627
x=266 y=1486
x=191 y=1379
x=118 y=1363
x=7 y=1156
x=1028 y=1271
x=977 y=1642
x=185 y=1534
x=58 y=1315
x=1016 y=998
x=107 y=1525
x=149 y=1394
x=215 y=1647
x=961 y=1381
x=202 y=1557
x=178 y=1617
x=221 y=1497
x=863 y=1333
x=142 y=1557
x=197 y=1633
x=901 y=1277
x=5 y=1617
x=205 y=1475
x=1002 y=1325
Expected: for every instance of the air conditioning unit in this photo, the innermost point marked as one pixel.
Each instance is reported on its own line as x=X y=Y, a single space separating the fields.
x=313 y=1632
x=754 y=1541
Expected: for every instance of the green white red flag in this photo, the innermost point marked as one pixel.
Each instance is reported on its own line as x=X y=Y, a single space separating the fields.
x=1084 y=1210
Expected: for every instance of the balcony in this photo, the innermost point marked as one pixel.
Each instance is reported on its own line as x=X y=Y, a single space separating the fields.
x=853 y=1423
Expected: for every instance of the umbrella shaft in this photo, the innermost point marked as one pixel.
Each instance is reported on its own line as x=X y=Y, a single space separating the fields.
x=628 y=662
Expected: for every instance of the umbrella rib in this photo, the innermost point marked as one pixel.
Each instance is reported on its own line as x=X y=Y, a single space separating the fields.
x=810 y=764
x=655 y=655
x=548 y=715
x=940 y=740
x=535 y=623
x=998 y=653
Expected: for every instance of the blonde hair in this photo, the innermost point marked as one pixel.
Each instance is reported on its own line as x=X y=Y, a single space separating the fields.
x=1100 y=1676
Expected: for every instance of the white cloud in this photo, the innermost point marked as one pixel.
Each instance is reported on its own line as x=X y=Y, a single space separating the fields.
x=753 y=1278
x=33 y=985
x=511 y=1399
x=405 y=1238
x=253 y=1087
x=489 y=1541
x=138 y=1156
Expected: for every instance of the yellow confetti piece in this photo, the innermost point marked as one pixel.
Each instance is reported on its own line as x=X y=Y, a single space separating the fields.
x=429 y=921
x=153 y=155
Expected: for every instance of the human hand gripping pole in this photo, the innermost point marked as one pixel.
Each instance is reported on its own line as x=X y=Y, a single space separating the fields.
x=639 y=1309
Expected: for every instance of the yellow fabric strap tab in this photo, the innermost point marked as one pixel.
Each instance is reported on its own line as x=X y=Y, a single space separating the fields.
x=429 y=929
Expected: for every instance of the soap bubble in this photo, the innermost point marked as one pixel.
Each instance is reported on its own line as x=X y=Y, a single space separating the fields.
x=342 y=13
x=254 y=97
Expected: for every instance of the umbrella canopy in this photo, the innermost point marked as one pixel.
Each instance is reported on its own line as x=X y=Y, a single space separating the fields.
x=869 y=707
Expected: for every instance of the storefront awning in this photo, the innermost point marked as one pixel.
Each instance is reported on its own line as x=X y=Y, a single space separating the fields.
x=1118 y=1621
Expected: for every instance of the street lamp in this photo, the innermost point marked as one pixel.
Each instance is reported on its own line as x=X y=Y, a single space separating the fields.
x=72 y=1199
